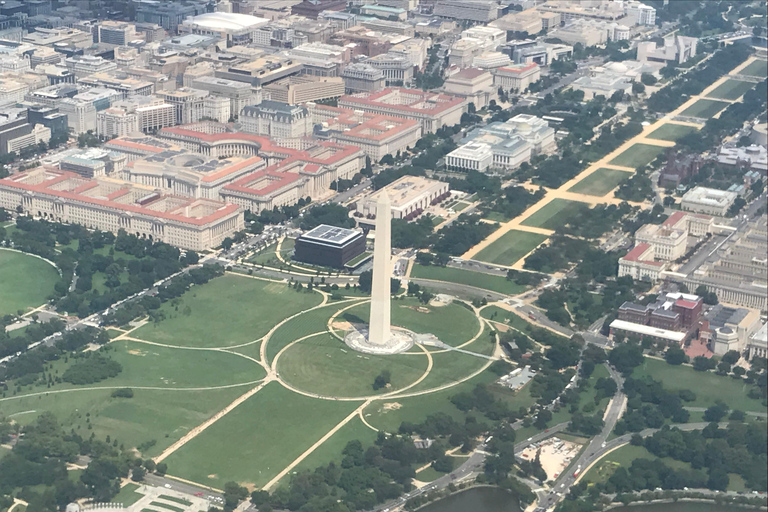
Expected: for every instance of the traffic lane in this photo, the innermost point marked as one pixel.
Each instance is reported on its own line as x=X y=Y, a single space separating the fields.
x=458 y=289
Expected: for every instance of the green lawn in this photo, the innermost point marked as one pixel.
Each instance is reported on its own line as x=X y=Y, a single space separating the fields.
x=160 y=415
x=128 y=495
x=731 y=90
x=324 y=365
x=704 y=108
x=330 y=450
x=600 y=182
x=387 y=415
x=637 y=155
x=258 y=439
x=512 y=246
x=174 y=499
x=623 y=457
x=25 y=281
x=166 y=506
x=453 y=324
x=708 y=387
x=229 y=310
x=554 y=214
x=758 y=68
x=151 y=365
x=478 y=279
x=671 y=131
x=309 y=322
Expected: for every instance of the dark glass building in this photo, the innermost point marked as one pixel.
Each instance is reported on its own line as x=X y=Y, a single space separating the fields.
x=329 y=246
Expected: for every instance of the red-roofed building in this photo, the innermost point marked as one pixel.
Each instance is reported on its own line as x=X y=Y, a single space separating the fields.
x=432 y=110
x=517 y=77
x=639 y=263
x=109 y=205
x=376 y=134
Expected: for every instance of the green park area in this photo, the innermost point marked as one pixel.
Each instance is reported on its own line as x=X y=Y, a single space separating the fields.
x=554 y=214
x=624 y=455
x=758 y=68
x=671 y=131
x=704 y=108
x=731 y=90
x=600 y=182
x=453 y=324
x=306 y=324
x=227 y=311
x=151 y=421
x=481 y=280
x=637 y=156
x=324 y=365
x=128 y=495
x=254 y=453
x=708 y=387
x=25 y=281
x=512 y=246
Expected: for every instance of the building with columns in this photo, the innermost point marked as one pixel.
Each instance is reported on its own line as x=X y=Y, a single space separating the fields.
x=111 y=205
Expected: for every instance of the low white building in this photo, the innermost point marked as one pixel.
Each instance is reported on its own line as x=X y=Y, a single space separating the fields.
x=676 y=49
x=708 y=200
x=410 y=196
x=476 y=156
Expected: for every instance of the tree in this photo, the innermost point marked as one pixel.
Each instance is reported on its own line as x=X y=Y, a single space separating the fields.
x=443 y=464
x=137 y=475
x=227 y=243
x=702 y=364
x=381 y=380
x=675 y=355
x=161 y=468
x=648 y=79
x=716 y=412
x=731 y=357
x=626 y=357
x=637 y=88
x=233 y=494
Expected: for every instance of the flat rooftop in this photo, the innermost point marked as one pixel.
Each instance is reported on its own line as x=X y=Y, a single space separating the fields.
x=326 y=233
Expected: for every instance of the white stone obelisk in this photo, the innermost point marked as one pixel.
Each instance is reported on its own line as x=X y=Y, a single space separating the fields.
x=379 y=333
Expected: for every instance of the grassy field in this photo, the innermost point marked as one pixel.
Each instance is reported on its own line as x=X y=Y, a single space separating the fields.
x=387 y=415
x=600 y=182
x=263 y=435
x=512 y=246
x=160 y=415
x=310 y=322
x=128 y=495
x=330 y=450
x=478 y=279
x=452 y=324
x=151 y=365
x=758 y=68
x=671 y=131
x=554 y=214
x=324 y=365
x=708 y=387
x=638 y=155
x=227 y=311
x=731 y=90
x=26 y=281
x=704 y=109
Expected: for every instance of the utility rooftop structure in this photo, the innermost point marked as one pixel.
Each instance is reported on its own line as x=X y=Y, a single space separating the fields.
x=329 y=246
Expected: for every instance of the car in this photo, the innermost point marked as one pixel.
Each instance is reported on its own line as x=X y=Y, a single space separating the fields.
x=167 y=486
x=198 y=494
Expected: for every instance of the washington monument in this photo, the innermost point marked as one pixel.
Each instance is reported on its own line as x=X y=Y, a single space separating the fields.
x=379 y=337
x=379 y=332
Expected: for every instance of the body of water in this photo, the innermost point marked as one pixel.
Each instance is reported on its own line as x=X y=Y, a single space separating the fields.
x=493 y=499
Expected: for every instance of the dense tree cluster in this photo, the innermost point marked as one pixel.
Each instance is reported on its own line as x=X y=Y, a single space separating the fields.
x=514 y=200
x=462 y=234
x=39 y=459
x=417 y=234
x=675 y=94
x=649 y=405
x=90 y=367
x=594 y=222
x=331 y=213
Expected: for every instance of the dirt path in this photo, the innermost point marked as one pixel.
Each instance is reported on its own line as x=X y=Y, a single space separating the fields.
x=200 y=428
x=312 y=448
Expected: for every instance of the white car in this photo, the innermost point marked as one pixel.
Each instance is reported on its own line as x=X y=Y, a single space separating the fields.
x=167 y=486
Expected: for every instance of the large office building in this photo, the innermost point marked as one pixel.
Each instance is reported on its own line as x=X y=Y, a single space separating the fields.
x=474 y=10
x=119 y=33
x=410 y=197
x=299 y=89
x=362 y=77
x=473 y=84
x=710 y=201
x=236 y=29
x=673 y=318
x=377 y=135
x=189 y=103
x=329 y=246
x=238 y=94
x=432 y=110
x=276 y=119
x=677 y=49
x=517 y=77
x=112 y=205
x=168 y=14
